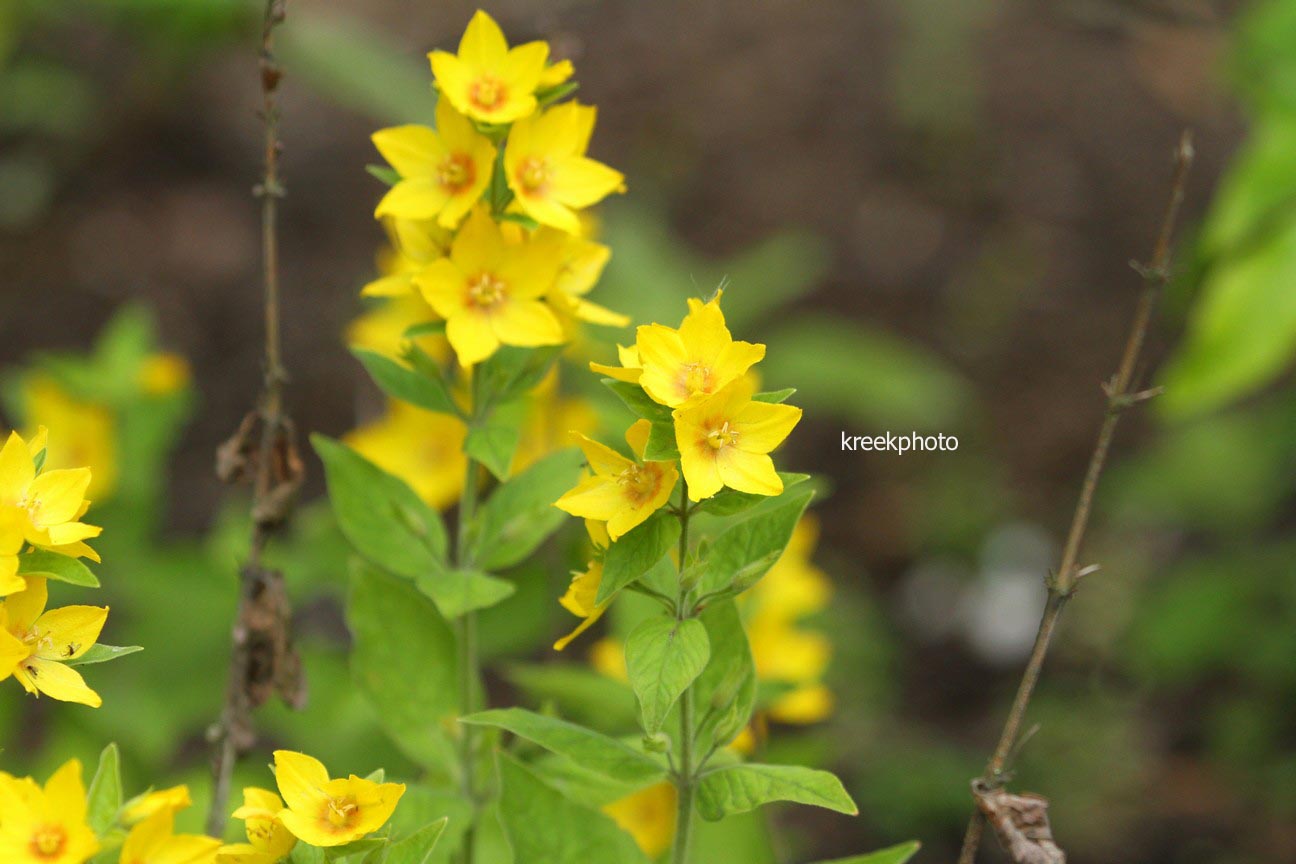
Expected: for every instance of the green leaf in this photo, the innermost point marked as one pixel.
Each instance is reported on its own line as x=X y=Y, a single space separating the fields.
x=746 y=551
x=663 y=657
x=636 y=552
x=417 y=848
x=774 y=396
x=544 y=827
x=739 y=788
x=401 y=382
x=387 y=175
x=381 y=516
x=579 y=692
x=102 y=654
x=417 y=331
x=493 y=445
x=662 y=446
x=512 y=372
x=725 y=692
x=355 y=847
x=591 y=750
x=304 y=854
x=456 y=592
x=519 y=515
x=897 y=854
x=728 y=502
x=556 y=93
x=638 y=401
x=52 y=565
x=521 y=219
x=403 y=661
x=104 y=798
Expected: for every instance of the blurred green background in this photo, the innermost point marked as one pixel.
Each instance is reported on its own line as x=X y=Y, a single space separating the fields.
x=924 y=207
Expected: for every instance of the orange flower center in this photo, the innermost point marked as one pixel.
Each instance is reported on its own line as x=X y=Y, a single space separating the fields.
x=48 y=842
x=640 y=483
x=486 y=291
x=533 y=175
x=341 y=812
x=456 y=173
x=719 y=437
x=487 y=93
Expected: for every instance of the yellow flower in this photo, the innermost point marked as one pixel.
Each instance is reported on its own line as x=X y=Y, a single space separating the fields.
x=621 y=492
x=488 y=81
x=580 y=264
x=555 y=74
x=87 y=432
x=48 y=640
x=547 y=168
x=45 y=826
x=698 y=359
x=423 y=448
x=330 y=812
x=414 y=244
x=582 y=594
x=783 y=650
x=160 y=374
x=49 y=505
x=725 y=440
x=12 y=521
x=648 y=816
x=142 y=807
x=154 y=841
x=629 y=370
x=268 y=840
x=382 y=328
x=489 y=291
x=443 y=171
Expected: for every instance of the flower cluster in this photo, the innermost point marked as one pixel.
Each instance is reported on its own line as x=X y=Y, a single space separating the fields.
x=483 y=210
x=41 y=538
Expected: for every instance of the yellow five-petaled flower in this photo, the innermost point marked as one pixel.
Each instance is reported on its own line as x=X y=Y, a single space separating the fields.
x=268 y=840
x=154 y=841
x=36 y=645
x=487 y=80
x=725 y=439
x=698 y=359
x=330 y=812
x=621 y=492
x=45 y=825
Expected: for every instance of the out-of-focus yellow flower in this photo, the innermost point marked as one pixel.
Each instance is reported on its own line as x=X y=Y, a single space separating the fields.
x=582 y=594
x=489 y=291
x=621 y=492
x=138 y=809
x=162 y=374
x=268 y=840
x=443 y=171
x=330 y=812
x=487 y=80
x=555 y=74
x=648 y=816
x=698 y=359
x=414 y=244
x=87 y=432
x=580 y=264
x=785 y=651
x=725 y=440
x=382 y=328
x=629 y=371
x=547 y=168
x=41 y=509
x=45 y=825
x=154 y=841
x=551 y=418
x=423 y=448
x=49 y=640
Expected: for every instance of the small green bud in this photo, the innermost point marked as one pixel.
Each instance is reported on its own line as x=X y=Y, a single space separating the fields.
x=657 y=743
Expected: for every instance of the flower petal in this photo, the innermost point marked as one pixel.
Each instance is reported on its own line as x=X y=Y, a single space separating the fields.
x=57 y=681
x=413 y=149
x=526 y=322
x=68 y=632
x=413 y=198
x=748 y=472
x=472 y=336
x=301 y=779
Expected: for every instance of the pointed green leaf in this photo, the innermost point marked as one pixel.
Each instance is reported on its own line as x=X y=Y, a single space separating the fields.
x=636 y=552
x=592 y=750
x=61 y=568
x=380 y=515
x=749 y=548
x=417 y=848
x=103 y=653
x=662 y=446
x=390 y=176
x=638 y=401
x=104 y=798
x=728 y=502
x=493 y=444
x=726 y=689
x=458 y=591
x=406 y=384
x=774 y=396
x=897 y=854
x=739 y=788
x=546 y=828
x=520 y=514
x=663 y=657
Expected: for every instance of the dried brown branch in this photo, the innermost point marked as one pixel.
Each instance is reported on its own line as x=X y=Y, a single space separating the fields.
x=262 y=452
x=1121 y=394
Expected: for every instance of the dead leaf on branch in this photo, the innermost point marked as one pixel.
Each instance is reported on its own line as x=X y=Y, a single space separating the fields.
x=1021 y=824
x=270 y=661
x=238 y=460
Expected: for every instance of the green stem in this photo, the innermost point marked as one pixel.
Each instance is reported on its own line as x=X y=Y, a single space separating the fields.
x=684 y=777
x=469 y=664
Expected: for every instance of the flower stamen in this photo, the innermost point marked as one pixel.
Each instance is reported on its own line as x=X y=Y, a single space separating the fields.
x=487 y=93
x=486 y=291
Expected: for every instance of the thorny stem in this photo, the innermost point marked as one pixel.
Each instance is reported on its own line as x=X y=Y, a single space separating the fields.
x=1120 y=395
x=237 y=707
x=684 y=776
x=469 y=669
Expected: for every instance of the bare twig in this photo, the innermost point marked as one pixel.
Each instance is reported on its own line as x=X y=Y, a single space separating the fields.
x=1120 y=395
x=263 y=451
